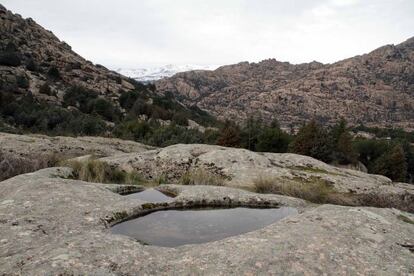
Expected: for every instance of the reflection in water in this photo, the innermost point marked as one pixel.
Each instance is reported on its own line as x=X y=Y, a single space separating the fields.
x=150 y=195
x=173 y=228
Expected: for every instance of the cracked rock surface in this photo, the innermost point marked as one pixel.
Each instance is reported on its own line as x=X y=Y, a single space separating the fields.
x=50 y=225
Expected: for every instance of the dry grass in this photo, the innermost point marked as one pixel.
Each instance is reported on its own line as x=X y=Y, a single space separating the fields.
x=317 y=190
x=100 y=172
x=11 y=164
x=405 y=219
x=201 y=177
x=313 y=189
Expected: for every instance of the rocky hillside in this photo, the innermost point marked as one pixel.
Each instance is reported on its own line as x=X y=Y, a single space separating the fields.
x=45 y=87
x=375 y=89
x=32 y=58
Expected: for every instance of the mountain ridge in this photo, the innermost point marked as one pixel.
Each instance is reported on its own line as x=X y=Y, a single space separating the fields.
x=376 y=89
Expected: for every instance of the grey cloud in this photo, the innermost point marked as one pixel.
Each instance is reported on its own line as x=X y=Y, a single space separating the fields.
x=134 y=33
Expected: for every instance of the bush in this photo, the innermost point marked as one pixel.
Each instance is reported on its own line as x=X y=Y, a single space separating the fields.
x=133 y=130
x=53 y=73
x=31 y=115
x=201 y=177
x=45 y=89
x=10 y=59
x=32 y=65
x=103 y=108
x=22 y=82
x=79 y=97
x=180 y=118
x=128 y=99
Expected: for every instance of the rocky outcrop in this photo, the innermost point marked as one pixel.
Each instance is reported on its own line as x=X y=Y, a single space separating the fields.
x=242 y=168
x=55 y=226
x=376 y=89
x=45 y=60
x=33 y=146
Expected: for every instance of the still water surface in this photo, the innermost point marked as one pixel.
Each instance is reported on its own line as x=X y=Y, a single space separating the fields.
x=172 y=228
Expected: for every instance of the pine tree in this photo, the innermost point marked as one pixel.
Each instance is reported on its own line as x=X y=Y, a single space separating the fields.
x=230 y=135
x=312 y=140
x=392 y=164
x=346 y=153
x=343 y=150
x=273 y=140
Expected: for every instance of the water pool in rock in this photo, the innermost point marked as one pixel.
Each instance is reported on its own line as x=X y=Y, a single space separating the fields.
x=150 y=195
x=172 y=228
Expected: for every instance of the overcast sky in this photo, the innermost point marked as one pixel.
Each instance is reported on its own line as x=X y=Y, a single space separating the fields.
x=136 y=33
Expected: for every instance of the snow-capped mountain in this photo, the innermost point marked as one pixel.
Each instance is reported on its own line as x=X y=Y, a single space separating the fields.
x=148 y=74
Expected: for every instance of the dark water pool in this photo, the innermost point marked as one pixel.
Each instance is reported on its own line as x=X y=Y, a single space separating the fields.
x=173 y=228
x=150 y=195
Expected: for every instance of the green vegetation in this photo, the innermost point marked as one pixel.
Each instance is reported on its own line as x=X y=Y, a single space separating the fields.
x=53 y=73
x=10 y=56
x=393 y=133
x=45 y=89
x=34 y=116
x=160 y=120
x=313 y=140
x=201 y=177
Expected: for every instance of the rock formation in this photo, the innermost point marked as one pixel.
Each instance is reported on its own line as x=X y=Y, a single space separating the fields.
x=376 y=89
x=55 y=226
x=32 y=58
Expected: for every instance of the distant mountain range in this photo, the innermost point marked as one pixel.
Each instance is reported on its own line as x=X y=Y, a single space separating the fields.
x=154 y=73
x=375 y=89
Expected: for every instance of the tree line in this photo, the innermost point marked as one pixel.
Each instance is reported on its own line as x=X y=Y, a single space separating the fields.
x=392 y=157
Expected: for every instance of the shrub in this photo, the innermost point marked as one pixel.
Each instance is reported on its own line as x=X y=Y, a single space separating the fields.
x=127 y=99
x=53 y=73
x=22 y=82
x=180 y=119
x=103 y=108
x=201 y=177
x=45 y=89
x=79 y=97
x=10 y=59
x=32 y=65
